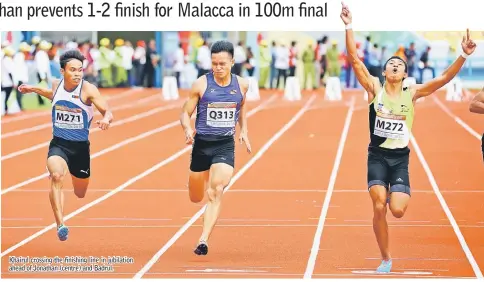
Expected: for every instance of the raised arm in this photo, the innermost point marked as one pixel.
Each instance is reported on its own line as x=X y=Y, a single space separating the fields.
x=422 y=90
x=101 y=105
x=189 y=107
x=45 y=92
x=361 y=72
x=477 y=103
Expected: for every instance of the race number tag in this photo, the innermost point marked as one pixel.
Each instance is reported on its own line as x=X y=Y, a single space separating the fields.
x=390 y=126
x=68 y=118
x=221 y=114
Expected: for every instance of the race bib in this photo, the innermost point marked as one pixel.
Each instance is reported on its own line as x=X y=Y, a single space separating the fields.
x=68 y=118
x=390 y=126
x=221 y=114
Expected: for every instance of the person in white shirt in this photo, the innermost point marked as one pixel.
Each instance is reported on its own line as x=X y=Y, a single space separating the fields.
x=179 y=63
x=42 y=64
x=282 y=62
x=8 y=74
x=72 y=45
x=139 y=61
x=128 y=53
x=204 y=59
x=240 y=58
x=21 y=68
x=5 y=44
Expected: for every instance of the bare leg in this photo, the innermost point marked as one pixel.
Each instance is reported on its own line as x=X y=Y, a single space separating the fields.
x=378 y=195
x=399 y=203
x=220 y=175
x=57 y=167
x=197 y=184
x=80 y=186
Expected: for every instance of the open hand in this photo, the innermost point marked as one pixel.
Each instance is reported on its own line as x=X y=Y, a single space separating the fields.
x=103 y=124
x=245 y=139
x=189 y=136
x=468 y=45
x=24 y=88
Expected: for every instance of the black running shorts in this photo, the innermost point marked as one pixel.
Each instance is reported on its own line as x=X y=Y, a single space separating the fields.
x=75 y=153
x=208 y=150
x=389 y=168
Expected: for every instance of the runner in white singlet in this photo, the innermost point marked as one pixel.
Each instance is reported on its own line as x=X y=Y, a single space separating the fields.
x=73 y=100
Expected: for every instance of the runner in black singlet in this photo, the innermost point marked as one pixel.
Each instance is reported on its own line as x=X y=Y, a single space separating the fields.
x=219 y=97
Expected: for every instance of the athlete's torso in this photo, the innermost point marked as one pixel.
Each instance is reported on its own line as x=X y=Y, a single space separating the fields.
x=218 y=108
x=391 y=121
x=71 y=117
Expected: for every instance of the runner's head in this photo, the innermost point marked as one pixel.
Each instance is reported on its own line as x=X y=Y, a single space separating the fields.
x=395 y=69
x=222 y=58
x=72 y=69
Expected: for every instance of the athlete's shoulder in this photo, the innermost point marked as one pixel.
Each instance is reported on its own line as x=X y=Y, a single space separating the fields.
x=243 y=83
x=201 y=81
x=90 y=90
x=199 y=85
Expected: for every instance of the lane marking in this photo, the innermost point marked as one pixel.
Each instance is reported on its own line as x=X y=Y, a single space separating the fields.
x=95 y=129
x=324 y=210
x=456 y=118
x=122 y=186
x=257 y=156
x=445 y=207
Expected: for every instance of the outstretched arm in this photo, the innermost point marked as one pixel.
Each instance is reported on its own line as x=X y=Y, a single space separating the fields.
x=45 y=92
x=361 y=72
x=422 y=90
x=477 y=104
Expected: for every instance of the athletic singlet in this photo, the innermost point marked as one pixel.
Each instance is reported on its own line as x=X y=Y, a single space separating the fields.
x=391 y=120
x=218 y=109
x=71 y=118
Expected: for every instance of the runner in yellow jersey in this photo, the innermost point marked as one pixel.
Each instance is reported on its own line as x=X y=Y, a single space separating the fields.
x=391 y=113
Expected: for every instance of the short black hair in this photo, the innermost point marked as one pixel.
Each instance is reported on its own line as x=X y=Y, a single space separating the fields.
x=222 y=46
x=395 y=57
x=69 y=56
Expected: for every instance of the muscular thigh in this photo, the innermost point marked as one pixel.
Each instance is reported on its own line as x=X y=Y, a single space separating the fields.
x=220 y=174
x=57 y=159
x=399 y=176
x=224 y=153
x=377 y=173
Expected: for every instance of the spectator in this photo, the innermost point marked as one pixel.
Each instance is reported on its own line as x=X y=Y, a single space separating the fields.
x=282 y=63
x=240 y=58
x=179 y=63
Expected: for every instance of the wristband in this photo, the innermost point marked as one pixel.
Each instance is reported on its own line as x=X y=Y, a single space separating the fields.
x=464 y=55
x=348 y=26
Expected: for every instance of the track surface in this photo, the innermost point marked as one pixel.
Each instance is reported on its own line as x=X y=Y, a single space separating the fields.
x=298 y=206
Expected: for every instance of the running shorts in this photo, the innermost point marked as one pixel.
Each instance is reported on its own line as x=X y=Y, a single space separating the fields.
x=208 y=150
x=75 y=153
x=389 y=168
